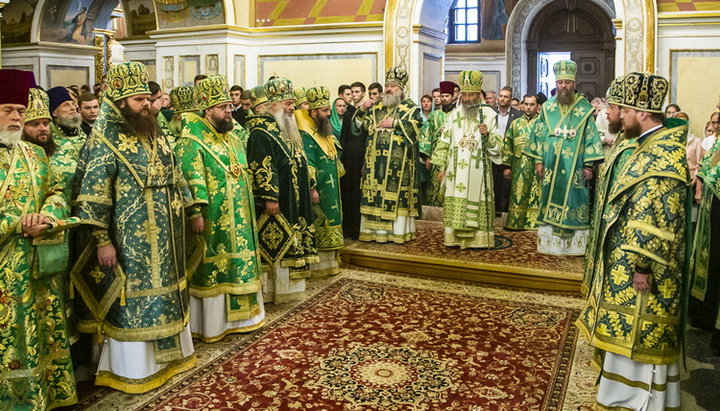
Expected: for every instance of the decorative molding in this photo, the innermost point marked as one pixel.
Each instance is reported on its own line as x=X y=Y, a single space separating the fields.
x=168 y=77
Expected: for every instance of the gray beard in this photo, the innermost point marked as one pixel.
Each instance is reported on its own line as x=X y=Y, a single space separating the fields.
x=69 y=122
x=470 y=110
x=288 y=126
x=391 y=100
x=10 y=138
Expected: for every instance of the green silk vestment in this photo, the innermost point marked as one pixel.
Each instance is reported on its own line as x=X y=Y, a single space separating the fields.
x=164 y=125
x=35 y=362
x=564 y=140
x=639 y=226
x=280 y=173
x=430 y=134
x=325 y=169
x=215 y=168
x=710 y=176
x=77 y=139
x=525 y=184
x=131 y=194
x=389 y=185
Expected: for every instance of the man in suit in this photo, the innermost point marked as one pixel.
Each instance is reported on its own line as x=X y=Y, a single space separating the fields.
x=505 y=115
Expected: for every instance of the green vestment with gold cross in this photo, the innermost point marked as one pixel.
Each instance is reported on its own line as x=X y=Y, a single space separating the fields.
x=639 y=226
x=565 y=139
x=325 y=169
x=280 y=173
x=430 y=134
x=35 y=364
x=216 y=169
x=389 y=185
x=63 y=135
x=525 y=184
x=131 y=194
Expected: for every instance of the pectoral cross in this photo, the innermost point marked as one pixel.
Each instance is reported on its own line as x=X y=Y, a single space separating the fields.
x=332 y=182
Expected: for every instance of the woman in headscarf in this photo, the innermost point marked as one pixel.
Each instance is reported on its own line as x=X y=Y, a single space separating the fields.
x=336 y=116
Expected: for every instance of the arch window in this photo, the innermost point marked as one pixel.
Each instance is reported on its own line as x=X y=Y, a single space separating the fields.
x=464 y=22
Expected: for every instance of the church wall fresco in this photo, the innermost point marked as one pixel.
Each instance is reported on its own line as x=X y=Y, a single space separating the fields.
x=302 y=12
x=188 y=13
x=140 y=16
x=17 y=19
x=72 y=21
x=685 y=5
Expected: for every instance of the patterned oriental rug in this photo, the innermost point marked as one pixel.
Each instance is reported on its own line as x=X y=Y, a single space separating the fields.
x=515 y=251
x=368 y=341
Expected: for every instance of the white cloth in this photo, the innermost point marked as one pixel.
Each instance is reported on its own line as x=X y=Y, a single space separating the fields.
x=329 y=263
x=549 y=243
x=502 y=122
x=654 y=387
x=708 y=142
x=403 y=230
x=279 y=288
x=136 y=359
x=208 y=317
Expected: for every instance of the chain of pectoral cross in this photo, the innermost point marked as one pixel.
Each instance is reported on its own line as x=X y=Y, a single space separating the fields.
x=566 y=133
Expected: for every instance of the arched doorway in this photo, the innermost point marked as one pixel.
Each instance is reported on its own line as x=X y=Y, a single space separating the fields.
x=584 y=30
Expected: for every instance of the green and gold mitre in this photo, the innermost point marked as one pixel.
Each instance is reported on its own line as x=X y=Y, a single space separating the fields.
x=212 y=91
x=318 y=97
x=279 y=89
x=38 y=105
x=300 y=96
x=470 y=81
x=565 y=70
x=398 y=76
x=258 y=96
x=182 y=99
x=644 y=92
x=614 y=93
x=126 y=80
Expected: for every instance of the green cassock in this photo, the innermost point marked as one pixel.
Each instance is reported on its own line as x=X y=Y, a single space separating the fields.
x=639 y=226
x=280 y=173
x=215 y=168
x=710 y=176
x=525 y=184
x=389 y=185
x=35 y=363
x=131 y=193
x=565 y=140
x=430 y=134
x=76 y=137
x=325 y=169
x=164 y=125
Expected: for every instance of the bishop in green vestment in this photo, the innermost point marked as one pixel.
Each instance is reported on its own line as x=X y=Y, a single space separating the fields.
x=282 y=190
x=430 y=134
x=226 y=286
x=35 y=366
x=469 y=145
x=565 y=145
x=634 y=269
x=524 y=182
x=321 y=150
x=389 y=185
x=131 y=197
x=182 y=100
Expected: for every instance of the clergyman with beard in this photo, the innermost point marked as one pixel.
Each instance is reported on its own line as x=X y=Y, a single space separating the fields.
x=283 y=195
x=389 y=184
x=36 y=366
x=429 y=136
x=131 y=274
x=635 y=280
x=565 y=145
x=66 y=119
x=470 y=144
x=226 y=286
x=321 y=150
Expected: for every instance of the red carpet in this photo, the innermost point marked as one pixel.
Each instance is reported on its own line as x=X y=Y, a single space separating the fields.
x=365 y=345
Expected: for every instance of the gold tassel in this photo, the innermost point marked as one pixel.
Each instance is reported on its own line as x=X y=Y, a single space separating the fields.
x=122 y=297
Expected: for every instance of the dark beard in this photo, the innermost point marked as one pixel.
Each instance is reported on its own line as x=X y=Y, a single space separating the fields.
x=632 y=132
x=324 y=126
x=49 y=146
x=140 y=124
x=222 y=126
x=565 y=99
x=447 y=107
x=614 y=127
